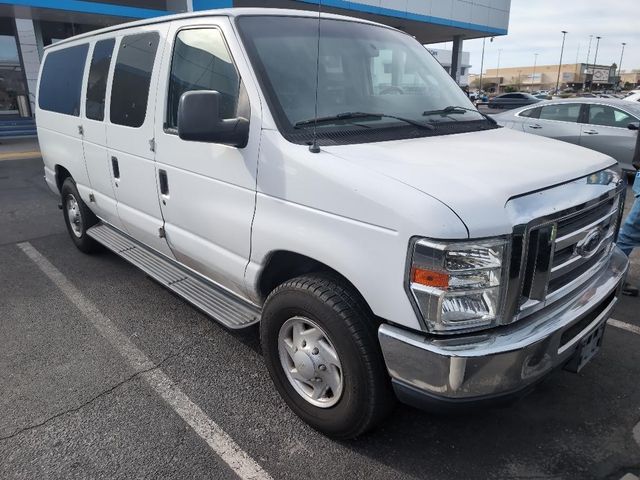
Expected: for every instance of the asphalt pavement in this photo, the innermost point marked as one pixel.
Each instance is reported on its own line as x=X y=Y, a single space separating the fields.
x=73 y=404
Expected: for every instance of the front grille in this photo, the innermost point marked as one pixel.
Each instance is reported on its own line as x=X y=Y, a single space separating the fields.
x=562 y=253
x=568 y=262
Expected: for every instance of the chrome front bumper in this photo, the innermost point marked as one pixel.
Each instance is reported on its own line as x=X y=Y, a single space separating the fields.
x=503 y=361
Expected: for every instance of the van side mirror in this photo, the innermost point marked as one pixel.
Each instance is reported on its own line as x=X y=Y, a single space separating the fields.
x=199 y=120
x=634 y=126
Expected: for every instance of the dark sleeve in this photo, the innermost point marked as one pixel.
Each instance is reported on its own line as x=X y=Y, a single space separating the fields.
x=636 y=154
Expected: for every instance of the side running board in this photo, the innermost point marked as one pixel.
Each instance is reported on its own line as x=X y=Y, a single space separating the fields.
x=212 y=299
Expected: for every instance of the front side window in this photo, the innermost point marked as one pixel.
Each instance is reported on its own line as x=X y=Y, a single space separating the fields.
x=97 y=82
x=61 y=80
x=606 y=116
x=132 y=79
x=201 y=61
x=565 y=112
x=361 y=69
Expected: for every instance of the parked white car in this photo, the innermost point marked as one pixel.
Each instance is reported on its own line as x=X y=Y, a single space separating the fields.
x=388 y=239
x=633 y=96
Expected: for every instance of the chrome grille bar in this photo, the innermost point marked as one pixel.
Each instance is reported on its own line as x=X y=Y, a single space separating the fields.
x=574 y=237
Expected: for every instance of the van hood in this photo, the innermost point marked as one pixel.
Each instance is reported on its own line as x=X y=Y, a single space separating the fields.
x=475 y=174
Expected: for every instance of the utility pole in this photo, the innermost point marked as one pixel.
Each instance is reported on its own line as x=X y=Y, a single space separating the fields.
x=535 y=64
x=564 y=35
x=595 y=61
x=620 y=66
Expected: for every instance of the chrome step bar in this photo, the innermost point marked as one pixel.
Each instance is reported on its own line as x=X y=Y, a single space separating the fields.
x=215 y=301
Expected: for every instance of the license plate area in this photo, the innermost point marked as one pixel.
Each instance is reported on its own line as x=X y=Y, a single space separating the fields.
x=588 y=347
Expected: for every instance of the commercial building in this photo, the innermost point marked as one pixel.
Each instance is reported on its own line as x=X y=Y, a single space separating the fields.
x=27 y=26
x=630 y=79
x=544 y=77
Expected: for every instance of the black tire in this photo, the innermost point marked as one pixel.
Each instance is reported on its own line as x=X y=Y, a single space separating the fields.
x=367 y=397
x=78 y=233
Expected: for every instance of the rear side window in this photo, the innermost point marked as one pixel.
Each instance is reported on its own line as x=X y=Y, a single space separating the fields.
x=565 y=112
x=132 y=78
x=530 y=113
x=61 y=80
x=201 y=61
x=97 y=83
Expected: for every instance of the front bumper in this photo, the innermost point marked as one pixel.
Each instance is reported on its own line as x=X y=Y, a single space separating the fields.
x=472 y=368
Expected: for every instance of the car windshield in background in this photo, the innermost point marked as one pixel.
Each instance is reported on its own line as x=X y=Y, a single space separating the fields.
x=361 y=68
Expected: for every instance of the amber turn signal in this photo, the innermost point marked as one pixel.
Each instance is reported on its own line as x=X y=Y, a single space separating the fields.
x=429 y=278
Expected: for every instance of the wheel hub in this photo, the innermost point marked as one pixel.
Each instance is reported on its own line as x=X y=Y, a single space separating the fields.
x=304 y=364
x=74 y=216
x=310 y=362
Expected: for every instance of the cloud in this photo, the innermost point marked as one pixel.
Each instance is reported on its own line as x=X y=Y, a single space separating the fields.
x=535 y=27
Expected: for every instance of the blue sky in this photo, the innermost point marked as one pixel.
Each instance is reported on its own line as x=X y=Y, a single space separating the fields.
x=535 y=27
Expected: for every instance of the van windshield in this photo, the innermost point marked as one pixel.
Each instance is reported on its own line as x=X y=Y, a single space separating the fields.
x=370 y=79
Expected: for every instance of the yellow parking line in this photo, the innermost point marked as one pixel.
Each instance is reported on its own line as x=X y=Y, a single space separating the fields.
x=19 y=155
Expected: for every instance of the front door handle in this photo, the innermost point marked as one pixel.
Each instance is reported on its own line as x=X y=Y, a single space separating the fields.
x=116 y=167
x=164 y=182
x=535 y=126
x=591 y=132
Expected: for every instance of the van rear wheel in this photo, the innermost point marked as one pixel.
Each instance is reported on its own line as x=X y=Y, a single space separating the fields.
x=78 y=217
x=320 y=345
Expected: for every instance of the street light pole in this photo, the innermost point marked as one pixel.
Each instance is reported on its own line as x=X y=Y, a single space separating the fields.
x=620 y=66
x=564 y=35
x=595 y=61
x=519 y=82
x=482 y=63
x=584 y=84
x=535 y=64
x=498 y=73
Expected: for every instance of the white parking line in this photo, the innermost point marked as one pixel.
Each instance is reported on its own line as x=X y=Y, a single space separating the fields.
x=217 y=439
x=624 y=326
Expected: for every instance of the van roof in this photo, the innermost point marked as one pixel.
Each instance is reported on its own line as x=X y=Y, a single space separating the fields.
x=221 y=12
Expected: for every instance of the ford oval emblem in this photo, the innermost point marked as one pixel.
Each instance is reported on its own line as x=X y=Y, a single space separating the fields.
x=588 y=246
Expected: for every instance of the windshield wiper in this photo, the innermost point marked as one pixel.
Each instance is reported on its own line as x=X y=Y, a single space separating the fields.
x=453 y=109
x=360 y=116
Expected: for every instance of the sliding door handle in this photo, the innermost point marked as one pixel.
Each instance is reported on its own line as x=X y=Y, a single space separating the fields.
x=164 y=182
x=116 y=167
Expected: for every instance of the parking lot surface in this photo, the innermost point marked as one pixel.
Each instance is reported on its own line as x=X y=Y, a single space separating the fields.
x=105 y=374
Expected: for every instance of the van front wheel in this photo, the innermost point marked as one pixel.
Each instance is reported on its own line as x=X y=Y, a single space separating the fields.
x=77 y=217
x=319 y=341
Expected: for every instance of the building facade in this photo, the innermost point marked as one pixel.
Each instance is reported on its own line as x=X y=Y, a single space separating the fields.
x=544 y=77
x=27 y=26
x=630 y=79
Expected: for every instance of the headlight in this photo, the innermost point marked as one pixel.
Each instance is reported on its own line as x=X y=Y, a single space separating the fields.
x=459 y=285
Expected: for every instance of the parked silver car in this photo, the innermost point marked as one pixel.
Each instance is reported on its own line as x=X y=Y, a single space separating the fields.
x=607 y=125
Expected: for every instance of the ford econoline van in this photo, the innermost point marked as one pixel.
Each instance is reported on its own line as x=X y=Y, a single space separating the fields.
x=325 y=177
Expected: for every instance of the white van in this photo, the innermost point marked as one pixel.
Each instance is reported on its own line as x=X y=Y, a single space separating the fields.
x=325 y=177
